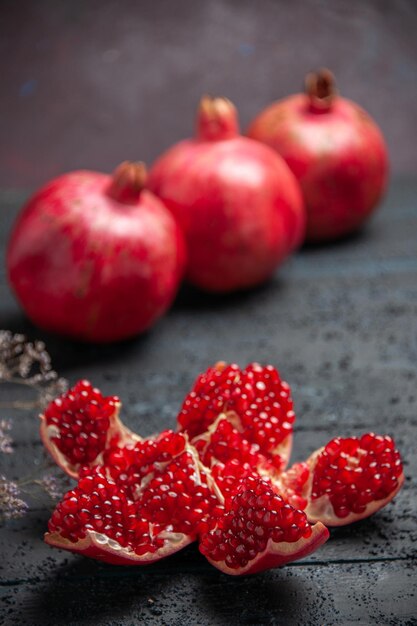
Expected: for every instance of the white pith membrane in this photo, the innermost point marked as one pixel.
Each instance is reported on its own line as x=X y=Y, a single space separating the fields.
x=116 y=431
x=99 y=546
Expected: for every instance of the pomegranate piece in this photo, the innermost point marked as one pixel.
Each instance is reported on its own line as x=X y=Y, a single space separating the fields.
x=335 y=150
x=77 y=427
x=99 y=520
x=139 y=514
x=259 y=530
x=255 y=399
x=346 y=480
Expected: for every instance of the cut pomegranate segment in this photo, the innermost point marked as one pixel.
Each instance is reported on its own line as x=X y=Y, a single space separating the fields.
x=139 y=500
x=346 y=480
x=77 y=427
x=255 y=399
x=166 y=475
x=259 y=531
x=98 y=520
x=139 y=514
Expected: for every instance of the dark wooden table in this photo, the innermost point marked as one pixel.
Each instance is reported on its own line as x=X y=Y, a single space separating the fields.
x=340 y=323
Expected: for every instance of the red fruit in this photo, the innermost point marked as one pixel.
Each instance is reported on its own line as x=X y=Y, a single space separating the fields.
x=77 y=427
x=335 y=150
x=96 y=257
x=347 y=480
x=258 y=531
x=255 y=399
x=238 y=204
x=154 y=507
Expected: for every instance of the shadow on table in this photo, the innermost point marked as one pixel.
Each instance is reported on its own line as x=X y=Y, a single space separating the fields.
x=67 y=353
x=184 y=589
x=362 y=237
x=191 y=298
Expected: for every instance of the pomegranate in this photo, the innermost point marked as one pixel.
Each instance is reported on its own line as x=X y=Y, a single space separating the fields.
x=346 y=480
x=96 y=257
x=77 y=427
x=258 y=531
x=238 y=204
x=140 y=512
x=335 y=150
x=139 y=500
x=256 y=400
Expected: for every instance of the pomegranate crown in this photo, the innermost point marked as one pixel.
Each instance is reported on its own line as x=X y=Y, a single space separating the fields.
x=217 y=119
x=320 y=87
x=129 y=178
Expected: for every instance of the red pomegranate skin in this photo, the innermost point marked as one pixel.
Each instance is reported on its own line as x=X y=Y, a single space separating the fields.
x=88 y=266
x=338 y=155
x=238 y=204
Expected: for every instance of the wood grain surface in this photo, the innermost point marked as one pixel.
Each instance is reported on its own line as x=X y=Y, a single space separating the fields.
x=340 y=324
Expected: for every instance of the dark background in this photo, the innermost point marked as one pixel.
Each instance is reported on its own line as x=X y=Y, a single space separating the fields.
x=91 y=83
x=88 y=84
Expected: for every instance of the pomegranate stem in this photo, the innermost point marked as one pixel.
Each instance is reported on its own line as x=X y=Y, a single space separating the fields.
x=216 y=119
x=128 y=181
x=320 y=88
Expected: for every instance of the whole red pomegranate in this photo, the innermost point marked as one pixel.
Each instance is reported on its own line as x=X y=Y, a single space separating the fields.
x=96 y=257
x=238 y=204
x=335 y=150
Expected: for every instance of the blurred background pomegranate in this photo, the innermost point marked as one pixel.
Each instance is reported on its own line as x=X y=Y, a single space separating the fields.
x=91 y=84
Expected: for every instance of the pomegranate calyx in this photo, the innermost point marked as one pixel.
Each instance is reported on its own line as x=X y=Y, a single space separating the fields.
x=321 y=90
x=216 y=119
x=128 y=181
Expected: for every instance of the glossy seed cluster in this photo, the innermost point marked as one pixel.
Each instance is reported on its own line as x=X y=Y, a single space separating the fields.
x=257 y=394
x=180 y=497
x=166 y=481
x=226 y=443
x=256 y=515
x=82 y=417
x=356 y=471
x=175 y=500
x=98 y=504
x=230 y=456
x=129 y=465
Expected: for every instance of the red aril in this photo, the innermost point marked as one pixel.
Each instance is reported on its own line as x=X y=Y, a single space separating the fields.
x=96 y=257
x=255 y=399
x=80 y=425
x=230 y=457
x=139 y=500
x=346 y=480
x=236 y=201
x=334 y=149
x=259 y=530
x=141 y=511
